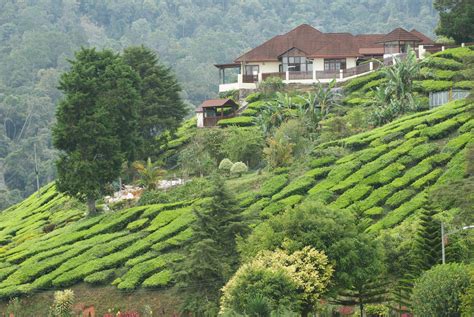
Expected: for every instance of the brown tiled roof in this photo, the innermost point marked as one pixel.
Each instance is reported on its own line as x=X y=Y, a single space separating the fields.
x=399 y=34
x=424 y=39
x=314 y=43
x=211 y=103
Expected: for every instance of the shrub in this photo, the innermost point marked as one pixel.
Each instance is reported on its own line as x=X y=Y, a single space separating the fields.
x=359 y=82
x=226 y=165
x=100 y=277
x=352 y=195
x=62 y=305
x=157 y=280
x=421 y=151
x=465 y=84
x=298 y=186
x=400 y=197
x=249 y=112
x=457 y=143
x=443 y=63
x=428 y=179
x=374 y=211
x=137 y=224
x=322 y=161
x=256 y=96
x=438 y=291
x=239 y=168
x=441 y=129
x=273 y=185
x=377 y=196
x=432 y=85
x=237 y=121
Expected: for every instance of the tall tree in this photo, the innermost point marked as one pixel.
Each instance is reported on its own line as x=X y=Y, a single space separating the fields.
x=428 y=241
x=96 y=127
x=456 y=19
x=211 y=256
x=161 y=108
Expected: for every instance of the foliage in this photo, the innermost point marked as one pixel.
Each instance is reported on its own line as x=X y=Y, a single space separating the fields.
x=437 y=292
x=226 y=165
x=211 y=255
x=242 y=121
x=271 y=85
x=455 y=20
x=161 y=106
x=39 y=36
x=239 y=168
x=96 y=125
x=294 y=280
x=63 y=301
x=395 y=97
x=278 y=152
x=150 y=173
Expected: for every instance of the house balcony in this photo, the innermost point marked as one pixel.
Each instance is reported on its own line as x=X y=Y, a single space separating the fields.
x=251 y=82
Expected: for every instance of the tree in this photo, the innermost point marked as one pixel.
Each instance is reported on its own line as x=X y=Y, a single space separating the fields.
x=226 y=165
x=438 y=291
x=312 y=224
x=396 y=96
x=96 y=127
x=161 y=108
x=150 y=173
x=211 y=257
x=456 y=18
x=366 y=284
x=428 y=241
x=239 y=168
x=294 y=281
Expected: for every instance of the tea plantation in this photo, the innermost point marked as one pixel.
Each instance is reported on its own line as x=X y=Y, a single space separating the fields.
x=385 y=175
x=45 y=241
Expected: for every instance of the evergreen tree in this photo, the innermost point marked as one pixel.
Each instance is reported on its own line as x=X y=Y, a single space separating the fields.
x=96 y=127
x=428 y=241
x=161 y=108
x=211 y=257
x=456 y=19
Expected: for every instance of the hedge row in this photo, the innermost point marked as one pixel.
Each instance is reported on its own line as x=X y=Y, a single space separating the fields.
x=273 y=185
x=298 y=186
x=237 y=121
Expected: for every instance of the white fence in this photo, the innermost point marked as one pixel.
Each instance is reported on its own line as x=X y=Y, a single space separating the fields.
x=440 y=98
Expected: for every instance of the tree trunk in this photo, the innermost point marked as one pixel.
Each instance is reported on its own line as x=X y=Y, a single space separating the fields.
x=361 y=305
x=91 y=206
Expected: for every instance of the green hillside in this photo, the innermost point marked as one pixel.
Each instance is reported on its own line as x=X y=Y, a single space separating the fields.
x=386 y=173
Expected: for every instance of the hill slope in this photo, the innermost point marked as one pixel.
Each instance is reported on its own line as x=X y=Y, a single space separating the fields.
x=385 y=172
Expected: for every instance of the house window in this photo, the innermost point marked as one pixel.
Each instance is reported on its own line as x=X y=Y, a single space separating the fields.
x=296 y=64
x=251 y=70
x=334 y=64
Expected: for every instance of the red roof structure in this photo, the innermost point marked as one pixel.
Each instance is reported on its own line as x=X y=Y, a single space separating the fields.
x=213 y=103
x=400 y=34
x=312 y=43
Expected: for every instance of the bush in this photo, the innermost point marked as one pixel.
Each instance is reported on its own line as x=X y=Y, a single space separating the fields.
x=298 y=186
x=438 y=291
x=158 y=280
x=100 y=277
x=239 y=168
x=443 y=63
x=322 y=161
x=256 y=96
x=137 y=224
x=400 y=197
x=226 y=165
x=359 y=82
x=273 y=185
x=237 y=121
x=432 y=85
x=249 y=113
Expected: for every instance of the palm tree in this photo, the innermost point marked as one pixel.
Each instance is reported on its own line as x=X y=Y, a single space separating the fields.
x=150 y=173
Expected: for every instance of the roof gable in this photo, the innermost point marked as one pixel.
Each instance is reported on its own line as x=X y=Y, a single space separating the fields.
x=212 y=103
x=399 y=34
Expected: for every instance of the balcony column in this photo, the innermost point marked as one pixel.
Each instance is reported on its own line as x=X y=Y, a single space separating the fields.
x=371 y=65
x=341 y=74
x=239 y=79
x=287 y=75
x=260 y=77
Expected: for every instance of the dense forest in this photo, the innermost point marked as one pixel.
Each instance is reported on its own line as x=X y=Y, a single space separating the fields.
x=37 y=37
